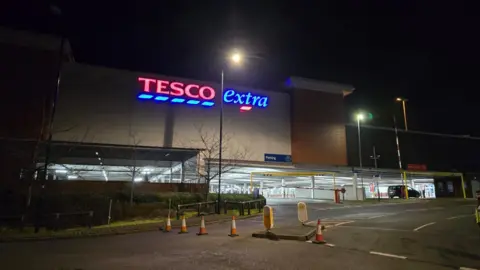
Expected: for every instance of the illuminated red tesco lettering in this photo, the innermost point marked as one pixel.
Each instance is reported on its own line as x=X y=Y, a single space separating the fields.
x=178 y=88
x=188 y=91
x=146 y=83
x=206 y=92
x=162 y=87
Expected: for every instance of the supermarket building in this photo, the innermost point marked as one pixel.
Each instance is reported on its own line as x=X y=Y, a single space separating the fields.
x=118 y=125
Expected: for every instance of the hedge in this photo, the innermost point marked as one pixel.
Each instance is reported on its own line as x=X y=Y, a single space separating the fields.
x=145 y=205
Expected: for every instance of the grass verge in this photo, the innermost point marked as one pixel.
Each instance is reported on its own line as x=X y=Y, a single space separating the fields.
x=119 y=227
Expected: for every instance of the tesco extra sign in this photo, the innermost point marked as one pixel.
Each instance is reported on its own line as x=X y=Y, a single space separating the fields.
x=196 y=94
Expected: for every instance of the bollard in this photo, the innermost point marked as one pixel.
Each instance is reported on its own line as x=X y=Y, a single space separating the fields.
x=178 y=212
x=225 y=207
x=268 y=217
x=248 y=211
x=302 y=212
x=199 y=208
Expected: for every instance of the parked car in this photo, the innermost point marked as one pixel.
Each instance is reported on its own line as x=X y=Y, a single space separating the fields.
x=395 y=191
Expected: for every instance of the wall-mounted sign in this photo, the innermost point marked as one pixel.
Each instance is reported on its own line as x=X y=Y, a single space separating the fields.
x=196 y=94
x=277 y=158
x=177 y=92
x=416 y=167
x=245 y=100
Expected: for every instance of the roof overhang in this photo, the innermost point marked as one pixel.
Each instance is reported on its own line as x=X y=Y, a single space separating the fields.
x=321 y=86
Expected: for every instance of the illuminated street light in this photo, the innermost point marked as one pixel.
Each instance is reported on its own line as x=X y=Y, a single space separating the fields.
x=235 y=58
x=361 y=117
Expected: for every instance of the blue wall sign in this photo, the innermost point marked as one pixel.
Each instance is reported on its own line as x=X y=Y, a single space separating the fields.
x=245 y=99
x=277 y=158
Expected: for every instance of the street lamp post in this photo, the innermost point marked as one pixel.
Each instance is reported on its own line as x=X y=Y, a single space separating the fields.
x=220 y=148
x=236 y=58
x=359 y=118
x=404 y=107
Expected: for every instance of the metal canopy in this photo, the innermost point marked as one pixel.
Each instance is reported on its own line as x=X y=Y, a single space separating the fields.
x=78 y=153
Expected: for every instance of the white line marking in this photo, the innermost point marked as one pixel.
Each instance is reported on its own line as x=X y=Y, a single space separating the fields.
x=388 y=255
x=329 y=245
x=416 y=210
x=342 y=223
x=461 y=216
x=309 y=241
x=466 y=268
x=374 y=228
x=379 y=216
x=423 y=226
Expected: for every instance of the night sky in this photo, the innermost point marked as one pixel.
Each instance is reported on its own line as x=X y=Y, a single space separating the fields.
x=424 y=51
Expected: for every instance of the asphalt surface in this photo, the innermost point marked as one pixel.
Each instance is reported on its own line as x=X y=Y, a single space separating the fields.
x=438 y=234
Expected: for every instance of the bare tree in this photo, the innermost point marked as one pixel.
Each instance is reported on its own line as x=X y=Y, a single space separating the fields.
x=133 y=170
x=210 y=143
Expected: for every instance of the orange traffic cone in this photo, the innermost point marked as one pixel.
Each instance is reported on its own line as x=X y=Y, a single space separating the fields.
x=183 y=229
x=319 y=235
x=233 y=228
x=203 y=230
x=168 y=226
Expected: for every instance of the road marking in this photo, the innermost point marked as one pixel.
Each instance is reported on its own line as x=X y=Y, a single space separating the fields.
x=374 y=228
x=424 y=209
x=388 y=255
x=416 y=210
x=461 y=216
x=379 y=216
x=342 y=223
x=423 y=226
x=466 y=268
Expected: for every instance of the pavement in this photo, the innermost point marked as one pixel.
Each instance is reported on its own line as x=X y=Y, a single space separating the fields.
x=428 y=235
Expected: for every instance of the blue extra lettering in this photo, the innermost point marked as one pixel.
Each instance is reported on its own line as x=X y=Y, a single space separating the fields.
x=232 y=96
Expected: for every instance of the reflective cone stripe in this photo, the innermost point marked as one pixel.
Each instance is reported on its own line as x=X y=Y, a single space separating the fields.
x=168 y=227
x=318 y=235
x=233 y=228
x=183 y=229
x=203 y=230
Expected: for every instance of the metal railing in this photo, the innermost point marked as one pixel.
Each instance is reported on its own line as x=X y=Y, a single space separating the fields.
x=245 y=205
x=200 y=207
x=203 y=208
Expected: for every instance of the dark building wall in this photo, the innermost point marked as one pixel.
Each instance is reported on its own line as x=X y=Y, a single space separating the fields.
x=318 y=128
x=436 y=152
x=28 y=78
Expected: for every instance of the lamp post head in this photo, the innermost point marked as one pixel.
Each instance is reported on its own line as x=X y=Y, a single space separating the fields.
x=399 y=99
x=360 y=116
x=236 y=58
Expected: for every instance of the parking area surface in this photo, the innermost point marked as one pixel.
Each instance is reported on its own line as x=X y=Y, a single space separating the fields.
x=424 y=235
